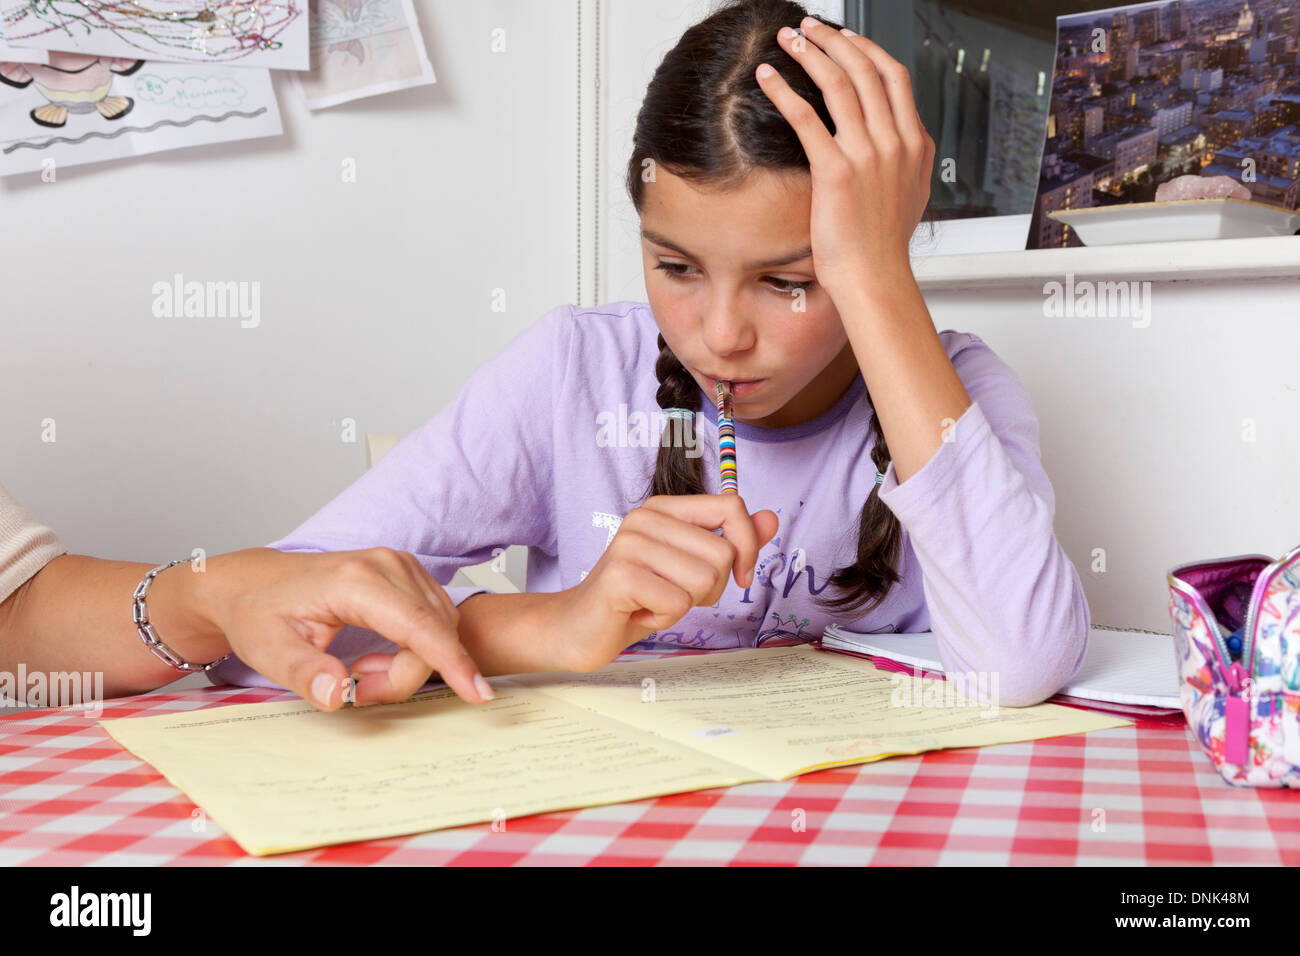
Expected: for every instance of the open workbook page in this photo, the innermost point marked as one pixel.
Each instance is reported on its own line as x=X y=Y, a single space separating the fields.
x=286 y=776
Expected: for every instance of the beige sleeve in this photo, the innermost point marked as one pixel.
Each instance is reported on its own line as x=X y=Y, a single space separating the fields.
x=25 y=545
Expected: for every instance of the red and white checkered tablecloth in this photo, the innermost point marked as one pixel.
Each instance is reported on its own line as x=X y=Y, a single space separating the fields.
x=70 y=796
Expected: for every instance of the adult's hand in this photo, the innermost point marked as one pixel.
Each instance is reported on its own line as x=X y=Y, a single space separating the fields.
x=279 y=611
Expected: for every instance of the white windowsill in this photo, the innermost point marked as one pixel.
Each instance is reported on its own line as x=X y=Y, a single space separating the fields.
x=1012 y=265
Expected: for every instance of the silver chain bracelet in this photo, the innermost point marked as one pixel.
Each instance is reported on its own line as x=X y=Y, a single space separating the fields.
x=140 y=615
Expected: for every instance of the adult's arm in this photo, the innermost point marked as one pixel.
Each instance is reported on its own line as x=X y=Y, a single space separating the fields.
x=278 y=611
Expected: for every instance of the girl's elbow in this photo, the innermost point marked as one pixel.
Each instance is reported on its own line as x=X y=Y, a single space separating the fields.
x=1017 y=688
x=1029 y=680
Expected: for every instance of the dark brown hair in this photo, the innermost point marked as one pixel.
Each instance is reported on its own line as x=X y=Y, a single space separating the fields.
x=705 y=119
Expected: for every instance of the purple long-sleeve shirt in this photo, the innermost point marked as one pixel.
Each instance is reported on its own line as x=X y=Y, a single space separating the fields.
x=553 y=441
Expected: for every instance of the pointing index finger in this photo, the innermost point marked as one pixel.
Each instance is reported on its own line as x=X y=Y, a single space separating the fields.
x=420 y=628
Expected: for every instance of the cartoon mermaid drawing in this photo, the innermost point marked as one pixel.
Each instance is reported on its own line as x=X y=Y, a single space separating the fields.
x=73 y=83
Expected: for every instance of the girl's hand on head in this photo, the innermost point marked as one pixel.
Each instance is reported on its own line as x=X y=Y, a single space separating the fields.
x=280 y=611
x=871 y=180
x=663 y=561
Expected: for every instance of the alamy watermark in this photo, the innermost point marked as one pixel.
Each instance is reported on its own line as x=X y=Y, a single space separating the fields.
x=179 y=299
x=971 y=689
x=83 y=689
x=1090 y=300
x=77 y=908
x=637 y=429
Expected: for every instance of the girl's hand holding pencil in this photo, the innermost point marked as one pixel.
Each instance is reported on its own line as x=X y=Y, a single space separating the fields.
x=663 y=561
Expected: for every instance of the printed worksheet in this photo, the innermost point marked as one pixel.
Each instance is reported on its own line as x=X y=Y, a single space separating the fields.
x=782 y=712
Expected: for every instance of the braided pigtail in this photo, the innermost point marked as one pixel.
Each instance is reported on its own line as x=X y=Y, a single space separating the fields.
x=868 y=579
x=676 y=473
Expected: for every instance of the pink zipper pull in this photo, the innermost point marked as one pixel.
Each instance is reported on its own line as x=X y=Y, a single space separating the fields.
x=1236 y=717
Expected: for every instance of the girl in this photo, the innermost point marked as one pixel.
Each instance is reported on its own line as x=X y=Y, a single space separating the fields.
x=896 y=468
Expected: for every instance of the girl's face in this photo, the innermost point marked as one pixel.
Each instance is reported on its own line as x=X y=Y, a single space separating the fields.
x=721 y=272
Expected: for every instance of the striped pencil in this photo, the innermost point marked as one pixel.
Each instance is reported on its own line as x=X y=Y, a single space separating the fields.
x=727 y=441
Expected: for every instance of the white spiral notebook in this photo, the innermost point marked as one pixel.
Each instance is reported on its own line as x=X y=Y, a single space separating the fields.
x=1120 y=667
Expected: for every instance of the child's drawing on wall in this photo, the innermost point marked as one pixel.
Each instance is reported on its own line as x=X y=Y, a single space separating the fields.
x=73 y=83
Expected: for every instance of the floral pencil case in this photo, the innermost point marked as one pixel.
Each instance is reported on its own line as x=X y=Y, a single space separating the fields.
x=1237 y=635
